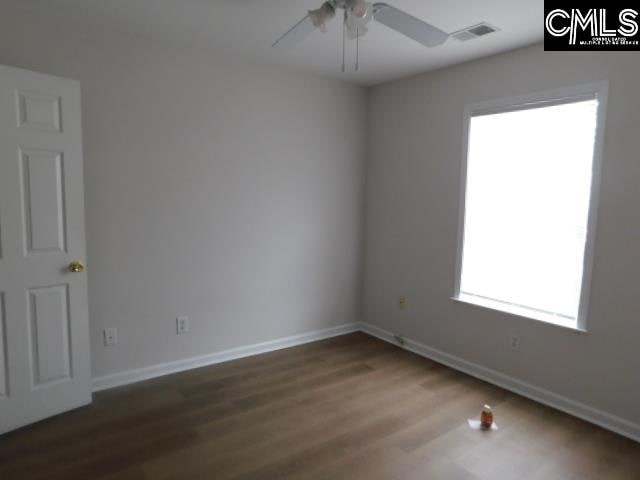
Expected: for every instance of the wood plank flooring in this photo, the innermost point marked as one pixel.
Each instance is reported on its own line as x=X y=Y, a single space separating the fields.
x=352 y=407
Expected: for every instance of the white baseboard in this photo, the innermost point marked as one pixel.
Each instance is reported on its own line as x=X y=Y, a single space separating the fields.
x=603 y=419
x=145 y=373
x=606 y=420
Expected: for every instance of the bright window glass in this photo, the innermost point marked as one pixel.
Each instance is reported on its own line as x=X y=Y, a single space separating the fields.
x=528 y=186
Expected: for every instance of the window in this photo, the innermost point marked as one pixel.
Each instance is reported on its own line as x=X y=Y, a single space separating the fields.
x=526 y=231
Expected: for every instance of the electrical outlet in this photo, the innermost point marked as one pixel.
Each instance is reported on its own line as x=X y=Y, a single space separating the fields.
x=402 y=302
x=182 y=325
x=514 y=342
x=110 y=337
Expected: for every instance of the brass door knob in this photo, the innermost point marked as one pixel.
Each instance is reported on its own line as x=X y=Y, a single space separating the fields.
x=76 y=266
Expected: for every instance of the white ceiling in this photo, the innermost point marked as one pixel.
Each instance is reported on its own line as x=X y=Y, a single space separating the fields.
x=247 y=28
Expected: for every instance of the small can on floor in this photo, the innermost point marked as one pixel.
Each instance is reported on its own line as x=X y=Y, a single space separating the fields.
x=486 y=417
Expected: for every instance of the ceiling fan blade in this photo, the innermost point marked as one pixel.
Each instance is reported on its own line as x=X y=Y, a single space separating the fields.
x=296 y=34
x=408 y=25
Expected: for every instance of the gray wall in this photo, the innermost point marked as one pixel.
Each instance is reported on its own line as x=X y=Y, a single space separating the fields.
x=413 y=192
x=223 y=191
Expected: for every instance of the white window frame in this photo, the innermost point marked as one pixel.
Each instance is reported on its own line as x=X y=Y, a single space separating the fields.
x=597 y=90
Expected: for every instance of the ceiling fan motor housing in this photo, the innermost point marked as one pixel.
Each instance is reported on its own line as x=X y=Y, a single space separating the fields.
x=343 y=4
x=351 y=5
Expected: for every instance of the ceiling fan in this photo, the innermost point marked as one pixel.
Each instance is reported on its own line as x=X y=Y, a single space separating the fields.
x=357 y=14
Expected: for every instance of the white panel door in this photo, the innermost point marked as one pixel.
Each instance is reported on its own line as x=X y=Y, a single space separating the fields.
x=44 y=338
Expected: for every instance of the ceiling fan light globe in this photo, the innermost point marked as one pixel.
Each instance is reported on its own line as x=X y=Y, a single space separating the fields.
x=322 y=15
x=359 y=8
x=362 y=9
x=362 y=12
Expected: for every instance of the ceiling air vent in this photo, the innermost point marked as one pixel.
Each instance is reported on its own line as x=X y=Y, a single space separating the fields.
x=475 y=31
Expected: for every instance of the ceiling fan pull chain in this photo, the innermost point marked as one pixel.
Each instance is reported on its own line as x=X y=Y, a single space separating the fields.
x=344 y=36
x=357 y=48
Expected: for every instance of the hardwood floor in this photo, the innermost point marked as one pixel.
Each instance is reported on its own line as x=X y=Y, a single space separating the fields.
x=352 y=407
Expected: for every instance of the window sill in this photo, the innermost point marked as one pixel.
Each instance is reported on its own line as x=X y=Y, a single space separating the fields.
x=545 y=318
